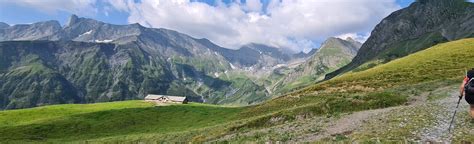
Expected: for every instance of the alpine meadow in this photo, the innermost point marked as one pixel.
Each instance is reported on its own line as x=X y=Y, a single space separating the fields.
x=241 y=71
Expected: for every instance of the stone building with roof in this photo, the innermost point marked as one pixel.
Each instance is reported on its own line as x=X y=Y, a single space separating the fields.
x=166 y=99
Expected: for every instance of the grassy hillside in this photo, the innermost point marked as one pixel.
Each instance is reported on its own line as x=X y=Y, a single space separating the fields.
x=90 y=121
x=391 y=84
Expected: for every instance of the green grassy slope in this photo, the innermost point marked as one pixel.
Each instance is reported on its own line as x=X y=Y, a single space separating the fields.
x=385 y=85
x=74 y=122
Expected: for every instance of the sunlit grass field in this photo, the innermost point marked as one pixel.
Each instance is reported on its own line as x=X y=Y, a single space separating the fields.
x=90 y=121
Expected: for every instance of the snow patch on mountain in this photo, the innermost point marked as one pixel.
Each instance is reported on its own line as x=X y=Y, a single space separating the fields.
x=103 y=41
x=279 y=66
x=232 y=66
x=86 y=33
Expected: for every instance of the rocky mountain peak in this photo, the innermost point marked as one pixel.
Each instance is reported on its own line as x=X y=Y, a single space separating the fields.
x=335 y=40
x=277 y=53
x=349 y=46
x=137 y=25
x=3 y=25
x=333 y=53
x=75 y=21
x=302 y=54
x=72 y=20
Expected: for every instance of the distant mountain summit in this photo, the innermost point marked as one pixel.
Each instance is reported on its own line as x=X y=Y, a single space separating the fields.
x=253 y=55
x=305 y=55
x=73 y=19
x=333 y=54
x=35 y=31
x=90 y=30
x=3 y=25
x=423 y=24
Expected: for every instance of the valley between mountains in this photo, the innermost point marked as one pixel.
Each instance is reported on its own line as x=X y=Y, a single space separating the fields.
x=85 y=82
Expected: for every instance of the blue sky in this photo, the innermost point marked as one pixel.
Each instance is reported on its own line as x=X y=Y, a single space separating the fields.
x=297 y=25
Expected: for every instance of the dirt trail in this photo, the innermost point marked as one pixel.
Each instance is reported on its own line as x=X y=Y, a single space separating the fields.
x=349 y=123
x=439 y=131
x=345 y=125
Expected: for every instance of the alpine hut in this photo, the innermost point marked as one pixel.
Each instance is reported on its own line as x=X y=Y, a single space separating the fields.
x=166 y=99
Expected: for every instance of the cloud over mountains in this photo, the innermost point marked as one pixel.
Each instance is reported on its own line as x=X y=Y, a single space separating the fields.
x=294 y=24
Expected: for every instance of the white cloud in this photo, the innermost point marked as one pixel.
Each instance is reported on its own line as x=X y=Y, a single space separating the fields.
x=296 y=24
x=254 y=5
x=84 y=7
x=358 y=37
x=121 y=5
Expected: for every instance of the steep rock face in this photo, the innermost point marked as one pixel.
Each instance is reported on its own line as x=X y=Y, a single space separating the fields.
x=34 y=31
x=423 y=24
x=333 y=54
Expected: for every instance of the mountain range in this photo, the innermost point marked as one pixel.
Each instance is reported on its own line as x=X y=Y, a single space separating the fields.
x=87 y=61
